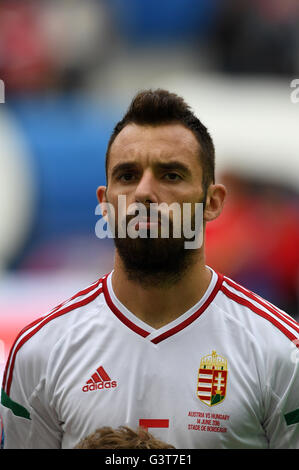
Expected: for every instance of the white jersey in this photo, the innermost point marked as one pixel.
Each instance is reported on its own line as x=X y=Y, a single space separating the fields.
x=224 y=374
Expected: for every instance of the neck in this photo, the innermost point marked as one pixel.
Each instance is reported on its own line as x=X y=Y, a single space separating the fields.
x=162 y=303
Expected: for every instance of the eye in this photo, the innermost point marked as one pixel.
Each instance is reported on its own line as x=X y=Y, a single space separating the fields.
x=126 y=177
x=172 y=176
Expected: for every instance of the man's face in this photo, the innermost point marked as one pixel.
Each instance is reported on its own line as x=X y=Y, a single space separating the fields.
x=154 y=164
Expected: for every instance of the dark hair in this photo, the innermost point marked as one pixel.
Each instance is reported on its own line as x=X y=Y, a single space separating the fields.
x=162 y=107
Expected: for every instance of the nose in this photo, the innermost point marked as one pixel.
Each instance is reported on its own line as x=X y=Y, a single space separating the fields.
x=146 y=188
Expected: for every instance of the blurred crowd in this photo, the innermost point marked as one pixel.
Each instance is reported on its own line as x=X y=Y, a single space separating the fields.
x=53 y=48
x=56 y=44
x=258 y=37
x=255 y=240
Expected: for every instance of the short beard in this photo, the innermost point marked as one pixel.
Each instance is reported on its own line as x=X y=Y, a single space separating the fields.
x=155 y=262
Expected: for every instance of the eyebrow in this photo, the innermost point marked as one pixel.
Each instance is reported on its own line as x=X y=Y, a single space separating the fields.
x=126 y=166
x=173 y=165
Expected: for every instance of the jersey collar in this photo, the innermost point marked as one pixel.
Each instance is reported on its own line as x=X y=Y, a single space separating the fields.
x=180 y=323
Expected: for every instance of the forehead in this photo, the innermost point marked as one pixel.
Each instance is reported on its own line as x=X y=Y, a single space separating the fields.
x=149 y=142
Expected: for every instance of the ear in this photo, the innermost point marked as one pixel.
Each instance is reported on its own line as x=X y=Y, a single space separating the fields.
x=102 y=198
x=214 y=202
x=101 y=194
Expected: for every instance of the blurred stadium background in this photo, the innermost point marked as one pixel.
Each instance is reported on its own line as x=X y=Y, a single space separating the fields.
x=70 y=69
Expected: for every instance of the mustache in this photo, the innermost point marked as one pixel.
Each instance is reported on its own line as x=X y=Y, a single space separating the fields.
x=153 y=211
x=149 y=221
x=150 y=215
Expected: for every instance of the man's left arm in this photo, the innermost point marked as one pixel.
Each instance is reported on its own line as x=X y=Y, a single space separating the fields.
x=282 y=415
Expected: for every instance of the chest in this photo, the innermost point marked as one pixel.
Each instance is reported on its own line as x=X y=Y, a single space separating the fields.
x=203 y=394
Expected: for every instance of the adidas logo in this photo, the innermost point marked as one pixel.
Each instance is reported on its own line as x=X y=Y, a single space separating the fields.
x=100 y=379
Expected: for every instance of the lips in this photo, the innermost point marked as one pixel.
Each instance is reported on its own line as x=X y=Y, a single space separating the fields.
x=155 y=222
x=146 y=223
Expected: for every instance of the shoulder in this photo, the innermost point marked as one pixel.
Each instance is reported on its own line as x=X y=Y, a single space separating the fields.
x=257 y=314
x=35 y=341
x=64 y=315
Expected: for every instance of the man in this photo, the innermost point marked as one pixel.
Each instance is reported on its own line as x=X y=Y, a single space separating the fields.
x=163 y=341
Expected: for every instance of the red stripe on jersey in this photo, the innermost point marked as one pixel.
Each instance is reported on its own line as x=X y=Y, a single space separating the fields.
x=41 y=322
x=102 y=373
x=82 y=292
x=154 y=423
x=288 y=320
x=258 y=311
x=192 y=317
x=120 y=315
x=35 y=322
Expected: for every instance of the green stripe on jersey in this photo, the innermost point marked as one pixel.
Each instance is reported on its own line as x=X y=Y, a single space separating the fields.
x=17 y=409
x=292 y=417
